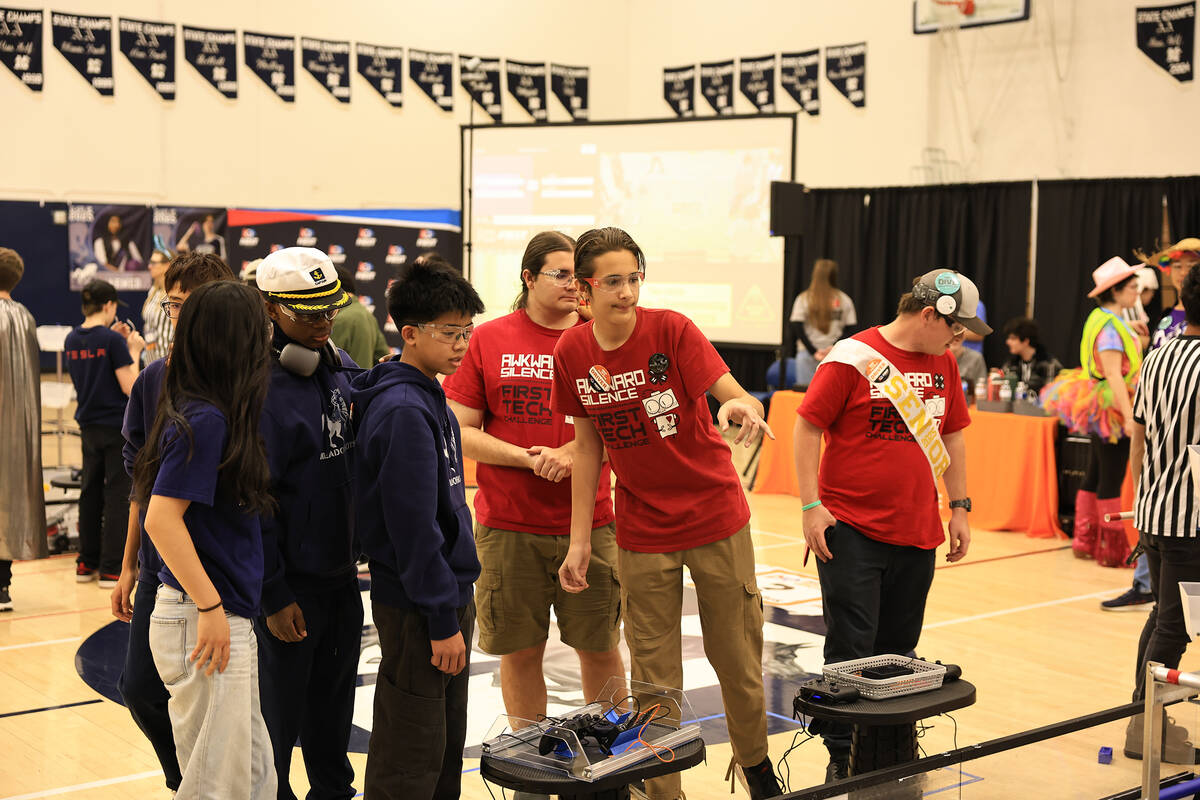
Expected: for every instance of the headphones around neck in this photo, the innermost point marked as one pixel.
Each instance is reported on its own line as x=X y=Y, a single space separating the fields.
x=303 y=362
x=944 y=296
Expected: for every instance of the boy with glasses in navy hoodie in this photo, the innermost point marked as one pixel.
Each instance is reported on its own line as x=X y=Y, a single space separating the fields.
x=415 y=528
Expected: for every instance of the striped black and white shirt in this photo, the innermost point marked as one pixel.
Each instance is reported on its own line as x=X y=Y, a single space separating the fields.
x=1167 y=402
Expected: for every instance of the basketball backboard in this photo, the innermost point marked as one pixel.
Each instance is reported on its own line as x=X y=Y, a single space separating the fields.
x=930 y=16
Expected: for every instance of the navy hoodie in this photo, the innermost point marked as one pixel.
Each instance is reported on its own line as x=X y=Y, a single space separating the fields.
x=308 y=545
x=413 y=518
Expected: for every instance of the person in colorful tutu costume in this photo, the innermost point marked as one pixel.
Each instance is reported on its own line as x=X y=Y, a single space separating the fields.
x=1095 y=400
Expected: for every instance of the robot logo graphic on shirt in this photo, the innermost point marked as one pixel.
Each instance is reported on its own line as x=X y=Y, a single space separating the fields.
x=668 y=425
x=878 y=371
x=336 y=422
x=658 y=367
x=939 y=381
x=660 y=402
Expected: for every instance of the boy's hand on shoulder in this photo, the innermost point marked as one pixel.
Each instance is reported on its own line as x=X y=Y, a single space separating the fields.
x=449 y=655
x=287 y=624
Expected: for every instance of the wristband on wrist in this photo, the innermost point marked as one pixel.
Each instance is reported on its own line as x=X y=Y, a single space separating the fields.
x=210 y=608
x=813 y=504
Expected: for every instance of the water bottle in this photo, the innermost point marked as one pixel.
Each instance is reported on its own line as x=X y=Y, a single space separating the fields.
x=980 y=390
x=1022 y=391
x=1006 y=394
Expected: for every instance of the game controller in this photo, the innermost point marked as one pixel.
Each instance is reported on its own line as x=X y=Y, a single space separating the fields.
x=602 y=730
x=828 y=692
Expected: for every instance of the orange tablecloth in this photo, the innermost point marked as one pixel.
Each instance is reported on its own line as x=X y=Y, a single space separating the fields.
x=1011 y=472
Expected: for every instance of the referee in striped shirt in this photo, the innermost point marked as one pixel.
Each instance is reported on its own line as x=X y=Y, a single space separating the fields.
x=1166 y=415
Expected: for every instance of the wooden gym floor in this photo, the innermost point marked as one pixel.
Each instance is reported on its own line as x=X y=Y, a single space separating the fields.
x=1021 y=616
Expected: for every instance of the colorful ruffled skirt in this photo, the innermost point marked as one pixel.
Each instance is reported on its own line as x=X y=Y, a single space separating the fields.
x=1084 y=405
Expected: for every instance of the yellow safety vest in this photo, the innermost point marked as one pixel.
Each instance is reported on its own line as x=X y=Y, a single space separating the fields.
x=1087 y=345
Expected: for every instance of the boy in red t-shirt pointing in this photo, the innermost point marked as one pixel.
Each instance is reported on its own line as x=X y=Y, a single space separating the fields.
x=890 y=404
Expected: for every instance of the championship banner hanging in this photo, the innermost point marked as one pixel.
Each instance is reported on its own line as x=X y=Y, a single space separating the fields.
x=186 y=229
x=213 y=53
x=87 y=43
x=109 y=242
x=433 y=72
x=756 y=77
x=679 y=90
x=570 y=86
x=716 y=84
x=527 y=83
x=383 y=67
x=846 y=69
x=798 y=74
x=328 y=62
x=481 y=78
x=273 y=60
x=1167 y=35
x=150 y=47
x=21 y=45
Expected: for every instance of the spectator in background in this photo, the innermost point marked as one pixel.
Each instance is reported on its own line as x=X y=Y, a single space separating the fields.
x=1149 y=301
x=971 y=339
x=356 y=330
x=1028 y=361
x=24 y=510
x=971 y=367
x=821 y=315
x=102 y=357
x=155 y=320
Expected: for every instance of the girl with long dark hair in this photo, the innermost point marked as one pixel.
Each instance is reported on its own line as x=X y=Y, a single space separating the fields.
x=203 y=479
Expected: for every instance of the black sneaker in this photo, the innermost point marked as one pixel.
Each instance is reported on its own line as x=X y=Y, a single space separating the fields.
x=1132 y=600
x=837 y=769
x=5 y=600
x=759 y=781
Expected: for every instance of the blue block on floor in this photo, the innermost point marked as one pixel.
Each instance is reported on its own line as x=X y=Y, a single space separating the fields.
x=1105 y=755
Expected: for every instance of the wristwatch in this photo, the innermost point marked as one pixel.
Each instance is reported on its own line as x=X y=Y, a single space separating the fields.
x=964 y=504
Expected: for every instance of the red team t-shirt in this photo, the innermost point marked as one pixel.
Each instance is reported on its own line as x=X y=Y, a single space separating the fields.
x=507 y=373
x=676 y=484
x=874 y=476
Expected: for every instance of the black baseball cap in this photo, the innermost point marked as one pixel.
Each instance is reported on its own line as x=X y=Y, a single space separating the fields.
x=98 y=292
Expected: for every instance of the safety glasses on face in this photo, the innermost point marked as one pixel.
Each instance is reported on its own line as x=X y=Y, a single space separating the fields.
x=447 y=334
x=956 y=328
x=614 y=283
x=559 y=277
x=310 y=319
x=171 y=308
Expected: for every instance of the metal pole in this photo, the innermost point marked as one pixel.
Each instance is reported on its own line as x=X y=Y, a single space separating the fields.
x=1152 y=726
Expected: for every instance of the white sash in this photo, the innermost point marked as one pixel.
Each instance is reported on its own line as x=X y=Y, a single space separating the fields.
x=895 y=387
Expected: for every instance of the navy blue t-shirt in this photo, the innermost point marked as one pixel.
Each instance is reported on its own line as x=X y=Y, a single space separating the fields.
x=93 y=355
x=139 y=419
x=227 y=539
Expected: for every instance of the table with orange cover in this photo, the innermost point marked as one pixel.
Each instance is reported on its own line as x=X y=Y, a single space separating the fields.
x=1012 y=475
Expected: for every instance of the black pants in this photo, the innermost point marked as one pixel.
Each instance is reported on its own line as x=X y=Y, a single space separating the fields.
x=103 y=499
x=1165 y=636
x=307 y=691
x=1106 y=467
x=874 y=603
x=142 y=689
x=420 y=723
x=5 y=573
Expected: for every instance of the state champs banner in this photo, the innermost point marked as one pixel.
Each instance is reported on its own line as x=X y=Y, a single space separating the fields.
x=570 y=86
x=481 y=78
x=273 y=60
x=756 y=78
x=433 y=72
x=373 y=246
x=527 y=83
x=383 y=67
x=716 y=84
x=798 y=74
x=1167 y=35
x=679 y=89
x=328 y=62
x=150 y=48
x=21 y=45
x=86 y=42
x=213 y=53
x=846 y=69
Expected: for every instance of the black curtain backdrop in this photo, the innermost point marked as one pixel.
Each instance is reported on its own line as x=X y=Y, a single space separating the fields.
x=884 y=238
x=1082 y=224
x=1183 y=208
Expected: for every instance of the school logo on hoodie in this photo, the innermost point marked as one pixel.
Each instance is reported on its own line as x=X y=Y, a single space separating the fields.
x=335 y=423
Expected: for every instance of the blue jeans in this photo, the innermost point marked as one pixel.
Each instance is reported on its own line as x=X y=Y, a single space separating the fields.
x=1141 y=574
x=142 y=689
x=220 y=737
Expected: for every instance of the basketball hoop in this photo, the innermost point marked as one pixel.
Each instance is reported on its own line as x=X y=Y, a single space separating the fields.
x=967 y=7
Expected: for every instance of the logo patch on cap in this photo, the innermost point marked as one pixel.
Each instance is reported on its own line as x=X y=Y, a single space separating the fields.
x=947 y=283
x=317 y=275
